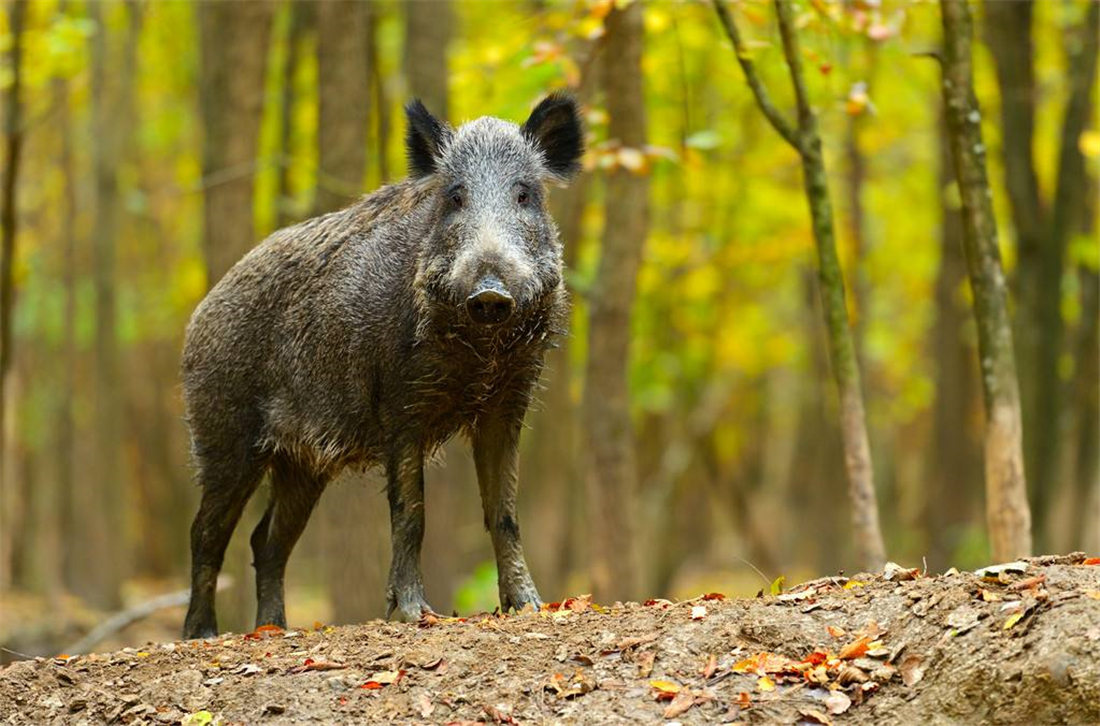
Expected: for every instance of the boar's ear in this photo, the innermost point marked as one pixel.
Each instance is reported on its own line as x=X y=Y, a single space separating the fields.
x=424 y=139
x=555 y=128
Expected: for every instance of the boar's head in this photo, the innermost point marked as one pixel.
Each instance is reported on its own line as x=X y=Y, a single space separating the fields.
x=492 y=254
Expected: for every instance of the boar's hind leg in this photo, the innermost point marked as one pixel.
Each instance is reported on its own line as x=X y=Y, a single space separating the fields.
x=405 y=487
x=496 y=448
x=227 y=484
x=294 y=493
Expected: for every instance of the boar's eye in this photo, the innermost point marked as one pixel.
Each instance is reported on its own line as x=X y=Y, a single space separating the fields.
x=454 y=196
x=523 y=195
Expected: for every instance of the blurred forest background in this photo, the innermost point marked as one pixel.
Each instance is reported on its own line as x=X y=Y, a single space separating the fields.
x=160 y=139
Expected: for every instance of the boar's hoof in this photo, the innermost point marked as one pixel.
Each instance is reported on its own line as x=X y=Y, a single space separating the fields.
x=407 y=608
x=519 y=598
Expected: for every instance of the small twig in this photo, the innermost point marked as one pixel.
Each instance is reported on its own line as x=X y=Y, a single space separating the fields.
x=763 y=100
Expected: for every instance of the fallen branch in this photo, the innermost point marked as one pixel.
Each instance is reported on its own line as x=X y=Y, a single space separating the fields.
x=123 y=619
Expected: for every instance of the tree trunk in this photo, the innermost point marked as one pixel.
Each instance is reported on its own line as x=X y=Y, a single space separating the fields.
x=301 y=19
x=612 y=476
x=343 y=102
x=234 y=39
x=1041 y=233
x=352 y=518
x=1086 y=464
x=1009 y=518
x=853 y=424
x=806 y=140
x=955 y=467
x=13 y=142
x=380 y=96
x=61 y=550
x=428 y=26
x=103 y=563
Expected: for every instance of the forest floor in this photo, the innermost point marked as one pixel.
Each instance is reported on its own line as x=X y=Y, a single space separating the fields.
x=1015 y=644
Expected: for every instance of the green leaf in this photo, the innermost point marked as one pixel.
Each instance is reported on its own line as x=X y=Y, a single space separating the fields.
x=777 y=586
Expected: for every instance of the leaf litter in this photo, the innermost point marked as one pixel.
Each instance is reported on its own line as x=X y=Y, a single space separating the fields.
x=878 y=652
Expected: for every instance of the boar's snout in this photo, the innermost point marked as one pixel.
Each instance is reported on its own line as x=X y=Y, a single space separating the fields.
x=490 y=303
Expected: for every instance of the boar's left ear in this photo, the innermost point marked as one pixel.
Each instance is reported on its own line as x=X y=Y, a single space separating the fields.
x=424 y=139
x=555 y=127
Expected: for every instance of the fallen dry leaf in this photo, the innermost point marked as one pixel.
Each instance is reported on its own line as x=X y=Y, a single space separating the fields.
x=1029 y=583
x=321 y=665
x=911 y=669
x=850 y=674
x=424 y=705
x=665 y=690
x=680 y=703
x=765 y=684
x=714 y=596
x=856 y=648
x=837 y=702
x=644 y=661
x=894 y=572
x=816 y=716
x=710 y=667
x=698 y=612
x=1092 y=561
x=383 y=678
x=499 y=713
x=836 y=632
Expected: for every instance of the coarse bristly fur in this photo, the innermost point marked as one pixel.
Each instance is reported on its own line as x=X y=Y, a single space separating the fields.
x=347 y=340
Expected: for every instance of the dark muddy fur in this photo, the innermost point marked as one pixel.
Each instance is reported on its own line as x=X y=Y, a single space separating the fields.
x=345 y=341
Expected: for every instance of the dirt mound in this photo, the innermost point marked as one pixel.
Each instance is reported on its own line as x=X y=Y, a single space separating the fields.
x=1021 y=644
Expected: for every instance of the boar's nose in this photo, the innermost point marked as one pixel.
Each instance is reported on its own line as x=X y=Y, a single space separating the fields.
x=490 y=303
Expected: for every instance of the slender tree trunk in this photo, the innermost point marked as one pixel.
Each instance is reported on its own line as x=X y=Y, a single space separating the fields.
x=428 y=27
x=956 y=465
x=380 y=96
x=103 y=563
x=13 y=142
x=234 y=39
x=344 y=102
x=301 y=18
x=806 y=140
x=1086 y=464
x=1042 y=230
x=612 y=476
x=352 y=519
x=61 y=549
x=1009 y=518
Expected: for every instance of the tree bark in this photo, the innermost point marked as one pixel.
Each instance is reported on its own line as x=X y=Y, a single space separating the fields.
x=61 y=550
x=955 y=466
x=1007 y=511
x=343 y=102
x=612 y=477
x=428 y=26
x=103 y=563
x=233 y=37
x=301 y=19
x=1042 y=230
x=1086 y=463
x=13 y=143
x=806 y=140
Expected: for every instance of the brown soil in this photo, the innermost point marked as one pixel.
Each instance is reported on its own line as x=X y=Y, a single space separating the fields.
x=940 y=649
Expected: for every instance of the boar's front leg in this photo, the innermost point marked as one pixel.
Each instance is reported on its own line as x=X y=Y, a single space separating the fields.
x=405 y=486
x=496 y=456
